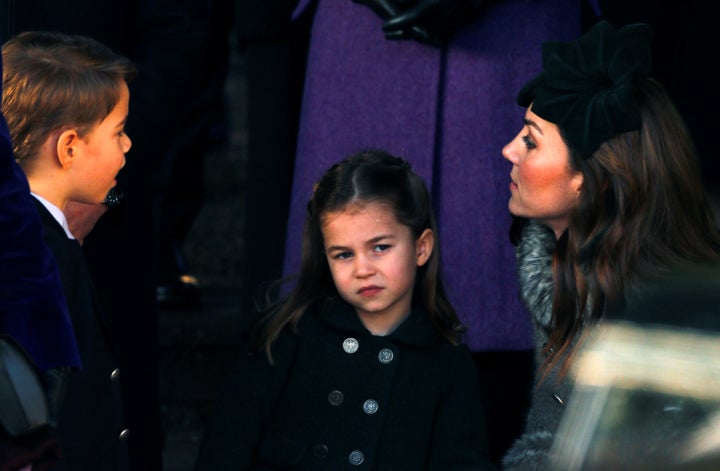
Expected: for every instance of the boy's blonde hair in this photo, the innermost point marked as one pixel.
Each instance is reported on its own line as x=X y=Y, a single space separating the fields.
x=54 y=81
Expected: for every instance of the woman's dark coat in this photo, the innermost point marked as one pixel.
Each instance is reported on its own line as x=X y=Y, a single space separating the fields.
x=531 y=450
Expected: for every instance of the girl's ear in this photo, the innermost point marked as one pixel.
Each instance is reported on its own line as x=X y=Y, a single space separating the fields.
x=67 y=148
x=424 y=246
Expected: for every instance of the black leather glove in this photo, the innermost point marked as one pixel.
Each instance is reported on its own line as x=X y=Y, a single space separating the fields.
x=441 y=18
x=388 y=9
x=55 y=381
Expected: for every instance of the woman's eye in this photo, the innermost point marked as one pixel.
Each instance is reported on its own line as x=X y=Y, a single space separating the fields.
x=528 y=142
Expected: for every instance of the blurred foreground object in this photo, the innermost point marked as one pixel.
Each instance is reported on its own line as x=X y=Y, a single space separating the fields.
x=647 y=393
x=26 y=438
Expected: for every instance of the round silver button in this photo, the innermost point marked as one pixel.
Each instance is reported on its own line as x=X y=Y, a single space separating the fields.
x=385 y=356
x=350 y=345
x=356 y=458
x=370 y=406
x=123 y=436
x=335 y=397
x=320 y=450
x=115 y=375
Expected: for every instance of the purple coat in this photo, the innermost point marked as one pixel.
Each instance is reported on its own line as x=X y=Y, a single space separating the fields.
x=448 y=112
x=32 y=304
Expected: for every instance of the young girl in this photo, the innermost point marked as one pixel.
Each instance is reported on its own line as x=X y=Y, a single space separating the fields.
x=361 y=366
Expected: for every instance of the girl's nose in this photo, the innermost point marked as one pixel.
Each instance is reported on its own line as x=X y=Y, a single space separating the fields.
x=363 y=266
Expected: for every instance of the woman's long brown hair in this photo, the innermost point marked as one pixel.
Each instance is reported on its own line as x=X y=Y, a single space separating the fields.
x=642 y=211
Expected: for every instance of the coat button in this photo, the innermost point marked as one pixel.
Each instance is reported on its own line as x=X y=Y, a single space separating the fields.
x=115 y=375
x=335 y=397
x=320 y=450
x=123 y=436
x=547 y=352
x=370 y=406
x=350 y=345
x=385 y=356
x=356 y=458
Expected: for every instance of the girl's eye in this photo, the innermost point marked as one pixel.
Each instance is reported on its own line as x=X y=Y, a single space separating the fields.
x=381 y=247
x=529 y=144
x=342 y=255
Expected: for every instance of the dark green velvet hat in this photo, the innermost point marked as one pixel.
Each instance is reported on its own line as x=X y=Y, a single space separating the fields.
x=587 y=85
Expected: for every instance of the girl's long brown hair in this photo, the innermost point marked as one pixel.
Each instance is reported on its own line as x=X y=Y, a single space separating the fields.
x=370 y=176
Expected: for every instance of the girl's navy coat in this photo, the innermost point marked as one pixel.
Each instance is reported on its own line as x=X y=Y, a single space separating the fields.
x=338 y=397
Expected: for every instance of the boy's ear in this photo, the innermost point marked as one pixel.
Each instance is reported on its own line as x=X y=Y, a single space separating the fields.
x=67 y=147
x=424 y=246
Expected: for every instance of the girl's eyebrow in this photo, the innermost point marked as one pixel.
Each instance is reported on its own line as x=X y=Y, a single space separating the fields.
x=372 y=241
x=533 y=125
x=333 y=248
x=377 y=239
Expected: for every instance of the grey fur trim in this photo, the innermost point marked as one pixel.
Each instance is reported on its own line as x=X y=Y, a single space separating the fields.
x=534 y=255
x=531 y=452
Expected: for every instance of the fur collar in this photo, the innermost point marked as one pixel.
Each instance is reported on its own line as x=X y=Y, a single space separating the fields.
x=534 y=255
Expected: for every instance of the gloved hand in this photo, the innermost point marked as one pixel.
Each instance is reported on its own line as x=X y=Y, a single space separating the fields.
x=439 y=17
x=387 y=9
x=55 y=381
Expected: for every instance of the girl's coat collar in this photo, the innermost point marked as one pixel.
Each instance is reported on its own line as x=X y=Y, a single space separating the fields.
x=415 y=331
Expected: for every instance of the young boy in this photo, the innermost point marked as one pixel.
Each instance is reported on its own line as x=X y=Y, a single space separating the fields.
x=65 y=99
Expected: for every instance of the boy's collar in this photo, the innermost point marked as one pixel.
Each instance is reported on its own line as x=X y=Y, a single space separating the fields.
x=56 y=213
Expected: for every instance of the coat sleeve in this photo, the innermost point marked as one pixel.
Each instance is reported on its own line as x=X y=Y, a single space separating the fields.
x=242 y=406
x=459 y=436
x=33 y=309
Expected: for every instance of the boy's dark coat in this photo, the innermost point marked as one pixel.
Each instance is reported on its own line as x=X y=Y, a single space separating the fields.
x=91 y=417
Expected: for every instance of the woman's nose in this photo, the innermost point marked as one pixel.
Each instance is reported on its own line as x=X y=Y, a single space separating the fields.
x=509 y=151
